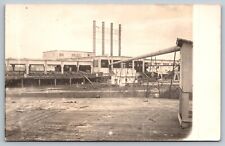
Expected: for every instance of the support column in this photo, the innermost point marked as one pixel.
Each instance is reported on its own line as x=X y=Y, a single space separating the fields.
x=13 y=67
x=174 y=76
x=112 y=64
x=62 y=68
x=39 y=82
x=186 y=68
x=143 y=66
x=78 y=66
x=185 y=82
x=27 y=68
x=92 y=68
x=45 y=67
x=133 y=67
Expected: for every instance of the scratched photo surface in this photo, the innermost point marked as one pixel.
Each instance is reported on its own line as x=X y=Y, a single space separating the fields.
x=105 y=72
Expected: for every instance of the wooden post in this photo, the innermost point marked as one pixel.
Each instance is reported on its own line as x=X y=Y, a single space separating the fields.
x=185 y=83
x=171 y=81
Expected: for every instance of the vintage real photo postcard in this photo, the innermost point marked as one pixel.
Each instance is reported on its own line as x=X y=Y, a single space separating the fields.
x=102 y=72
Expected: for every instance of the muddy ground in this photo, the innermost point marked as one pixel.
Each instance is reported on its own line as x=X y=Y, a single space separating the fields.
x=36 y=117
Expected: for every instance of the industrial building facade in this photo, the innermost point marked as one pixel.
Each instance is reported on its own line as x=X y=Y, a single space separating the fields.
x=71 y=64
x=65 y=54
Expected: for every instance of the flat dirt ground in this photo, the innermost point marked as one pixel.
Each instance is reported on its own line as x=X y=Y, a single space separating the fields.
x=38 y=118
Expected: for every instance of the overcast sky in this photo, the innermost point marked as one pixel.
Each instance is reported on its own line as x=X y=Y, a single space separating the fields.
x=32 y=29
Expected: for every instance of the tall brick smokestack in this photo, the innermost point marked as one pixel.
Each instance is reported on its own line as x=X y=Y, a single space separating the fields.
x=94 y=36
x=103 y=38
x=119 y=53
x=111 y=39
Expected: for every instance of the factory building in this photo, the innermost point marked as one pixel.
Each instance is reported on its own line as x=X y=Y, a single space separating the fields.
x=95 y=66
x=64 y=64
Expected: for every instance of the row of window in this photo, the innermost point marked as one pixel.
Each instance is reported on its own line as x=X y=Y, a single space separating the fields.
x=67 y=68
x=137 y=64
x=72 y=55
x=105 y=64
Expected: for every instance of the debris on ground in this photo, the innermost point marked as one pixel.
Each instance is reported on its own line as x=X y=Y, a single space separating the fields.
x=89 y=119
x=98 y=96
x=20 y=110
x=81 y=125
x=107 y=116
x=40 y=108
x=69 y=102
x=84 y=106
x=150 y=119
x=146 y=100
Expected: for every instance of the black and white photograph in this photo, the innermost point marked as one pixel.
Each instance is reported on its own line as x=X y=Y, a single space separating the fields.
x=99 y=72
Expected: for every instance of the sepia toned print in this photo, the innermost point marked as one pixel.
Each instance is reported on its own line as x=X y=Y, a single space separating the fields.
x=98 y=72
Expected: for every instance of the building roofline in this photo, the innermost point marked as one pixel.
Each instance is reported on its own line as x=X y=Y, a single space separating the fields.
x=39 y=59
x=75 y=59
x=66 y=51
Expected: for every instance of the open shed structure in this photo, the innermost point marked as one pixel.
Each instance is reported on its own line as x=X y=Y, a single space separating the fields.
x=185 y=99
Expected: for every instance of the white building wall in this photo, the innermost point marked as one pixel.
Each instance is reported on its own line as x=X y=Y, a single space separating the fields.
x=123 y=76
x=66 y=54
